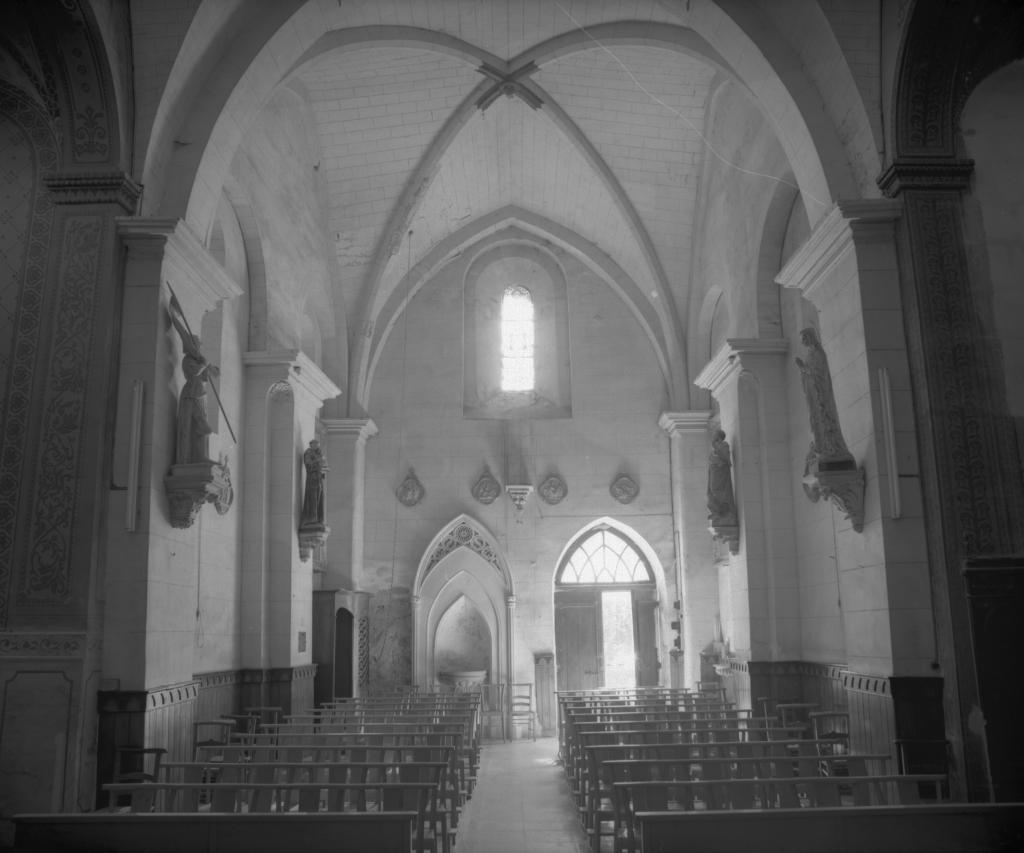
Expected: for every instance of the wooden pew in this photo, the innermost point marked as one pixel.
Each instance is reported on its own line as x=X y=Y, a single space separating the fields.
x=775 y=793
x=386 y=832
x=251 y=798
x=937 y=828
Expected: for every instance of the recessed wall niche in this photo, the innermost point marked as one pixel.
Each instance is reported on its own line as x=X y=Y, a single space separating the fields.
x=496 y=267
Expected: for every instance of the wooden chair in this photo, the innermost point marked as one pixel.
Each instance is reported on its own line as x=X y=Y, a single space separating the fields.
x=136 y=764
x=521 y=707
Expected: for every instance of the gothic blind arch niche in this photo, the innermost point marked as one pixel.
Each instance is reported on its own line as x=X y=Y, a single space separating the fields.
x=607 y=585
x=462 y=569
x=517 y=267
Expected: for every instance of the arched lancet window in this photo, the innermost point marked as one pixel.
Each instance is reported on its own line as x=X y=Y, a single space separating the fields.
x=605 y=614
x=517 y=339
x=605 y=557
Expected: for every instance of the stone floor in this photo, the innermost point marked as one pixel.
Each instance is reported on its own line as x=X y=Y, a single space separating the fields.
x=521 y=803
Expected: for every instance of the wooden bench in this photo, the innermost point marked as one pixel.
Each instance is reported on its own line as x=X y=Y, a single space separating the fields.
x=762 y=795
x=383 y=832
x=431 y=829
x=938 y=828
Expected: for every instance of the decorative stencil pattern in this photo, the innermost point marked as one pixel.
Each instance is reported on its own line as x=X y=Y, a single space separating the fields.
x=46 y=577
x=364 y=651
x=26 y=301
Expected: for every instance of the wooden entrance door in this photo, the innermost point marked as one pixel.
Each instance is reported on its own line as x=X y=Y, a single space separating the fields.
x=578 y=639
x=579 y=644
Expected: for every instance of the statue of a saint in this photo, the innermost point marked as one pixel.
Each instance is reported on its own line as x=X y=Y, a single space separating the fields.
x=313 y=511
x=827 y=437
x=192 y=442
x=721 y=500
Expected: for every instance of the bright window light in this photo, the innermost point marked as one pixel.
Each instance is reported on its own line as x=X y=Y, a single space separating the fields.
x=517 y=340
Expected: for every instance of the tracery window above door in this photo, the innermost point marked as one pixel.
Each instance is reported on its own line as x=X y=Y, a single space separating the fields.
x=517 y=339
x=605 y=557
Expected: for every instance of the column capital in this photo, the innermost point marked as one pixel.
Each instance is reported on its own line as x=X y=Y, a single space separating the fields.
x=926 y=173
x=735 y=355
x=184 y=256
x=510 y=602
x=848 y=223
x=297 y=369
x=95 y=188
x=675 y=423
x=358 y=428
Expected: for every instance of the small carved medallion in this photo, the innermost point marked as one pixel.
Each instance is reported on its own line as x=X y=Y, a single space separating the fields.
x=624 y=489
x=486 y=489
x=553 y=490
x=411 y=491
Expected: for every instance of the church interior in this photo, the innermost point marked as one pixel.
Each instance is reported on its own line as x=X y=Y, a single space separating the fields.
x=505 y=348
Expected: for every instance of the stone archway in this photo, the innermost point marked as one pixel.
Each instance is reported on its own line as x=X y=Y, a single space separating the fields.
x=462 y=562
x=975 y=501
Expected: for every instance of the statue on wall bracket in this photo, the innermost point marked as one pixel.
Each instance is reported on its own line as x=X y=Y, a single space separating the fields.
x=830 y=470
x=723 y=520
x=195 y=479
x=313 y=528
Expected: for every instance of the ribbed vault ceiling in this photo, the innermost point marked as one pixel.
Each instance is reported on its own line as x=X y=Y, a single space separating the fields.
x=613 y=154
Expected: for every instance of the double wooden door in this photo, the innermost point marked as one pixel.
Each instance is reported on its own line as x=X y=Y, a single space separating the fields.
x=580 y=645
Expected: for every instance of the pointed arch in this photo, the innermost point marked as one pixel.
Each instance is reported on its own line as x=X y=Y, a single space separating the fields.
x=537 y=230
x=463 y=531
x=463 y=558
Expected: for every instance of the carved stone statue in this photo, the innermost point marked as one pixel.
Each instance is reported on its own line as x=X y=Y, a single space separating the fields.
x=827 y=438
x=830 y=470
x=192 y=443
x=721 y=499
x=313 y=512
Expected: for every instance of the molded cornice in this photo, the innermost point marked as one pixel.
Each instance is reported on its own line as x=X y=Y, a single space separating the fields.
x=847 y=223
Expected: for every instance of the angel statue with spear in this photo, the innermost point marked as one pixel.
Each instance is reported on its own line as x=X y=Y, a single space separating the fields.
x=192 y=442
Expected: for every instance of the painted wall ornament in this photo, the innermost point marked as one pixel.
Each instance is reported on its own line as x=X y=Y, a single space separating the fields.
x=410 y=492
x=553 y=490
x=195 y=479
x=624 y=489
x=723 y=521
x=313 y=528
x=830 y=470
x=486 y=489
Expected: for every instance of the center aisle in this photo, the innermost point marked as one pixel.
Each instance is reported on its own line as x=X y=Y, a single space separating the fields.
x=521 y=803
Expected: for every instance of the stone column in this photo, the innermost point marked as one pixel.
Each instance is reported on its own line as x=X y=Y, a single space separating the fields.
x=420 y=676
x=510 y=634
x=284 y=392
x=150 y=588
x=696 y=580
x=157 y=561
x=510 y=673
x=849 y=269
x=59 y=374
x=345 y=440
x=748 y=379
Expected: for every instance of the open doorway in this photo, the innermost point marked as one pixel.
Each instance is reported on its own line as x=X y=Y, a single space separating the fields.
x=344 y=625
x=605 y=615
